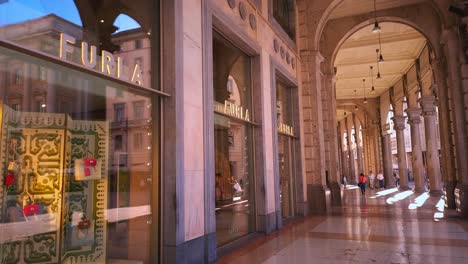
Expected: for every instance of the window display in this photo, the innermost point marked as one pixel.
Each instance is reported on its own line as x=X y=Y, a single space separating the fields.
x=76 y=136
x=284 y=111
x=233 y=140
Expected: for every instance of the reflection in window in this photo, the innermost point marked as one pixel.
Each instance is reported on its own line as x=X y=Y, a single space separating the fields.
x=119 y=110
x=89 y=202
x=233 y=142
x=138 y=141
x=139 y=109
x=283 y=12
x=118 y=142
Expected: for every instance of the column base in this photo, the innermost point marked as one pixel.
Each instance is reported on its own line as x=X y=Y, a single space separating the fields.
x=450 y=194
x=318 y=198
x=419 y=190
x=461 y=200
x=404 y=188
x=335 y=190
x=302 y=209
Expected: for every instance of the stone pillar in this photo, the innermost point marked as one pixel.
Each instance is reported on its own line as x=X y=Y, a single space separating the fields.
x=387 y=158
x=352 y=178
x=344 y=151
x=399 y=126
x=360 y=168
x=446 y=140
x=414 y=119
x=318 y=195
x=452 y=54
x=428 y=104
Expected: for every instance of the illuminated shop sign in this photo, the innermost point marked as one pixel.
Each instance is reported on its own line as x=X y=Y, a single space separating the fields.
x=233 y=110
x=109 y=65
x=285 y=129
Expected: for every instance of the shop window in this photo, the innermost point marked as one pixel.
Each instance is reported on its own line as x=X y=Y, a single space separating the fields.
x=118 y=142
x=139 y=109
x=233 y=141
x=69 y=196
x=284 y=14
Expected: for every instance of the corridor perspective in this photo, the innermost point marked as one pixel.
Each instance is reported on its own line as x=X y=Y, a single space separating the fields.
x=384 y=226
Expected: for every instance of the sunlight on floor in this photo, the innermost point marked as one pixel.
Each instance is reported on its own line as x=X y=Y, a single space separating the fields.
x=398 y=197
x=385 y=192
x=351 y=187
x=419 y=201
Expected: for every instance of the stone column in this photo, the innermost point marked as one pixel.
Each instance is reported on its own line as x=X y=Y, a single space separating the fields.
x=414 y=119
x=399 y=126
x=344 y=152
x=446 y=140
x=356 y=122
x=352 y=178
x=387 y=158
x=452 y=53
x=428 y=104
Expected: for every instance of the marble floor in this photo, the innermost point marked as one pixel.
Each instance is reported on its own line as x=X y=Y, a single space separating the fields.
x=385 y=226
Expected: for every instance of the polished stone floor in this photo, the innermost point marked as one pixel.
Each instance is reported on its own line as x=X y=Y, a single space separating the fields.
x=385 y=226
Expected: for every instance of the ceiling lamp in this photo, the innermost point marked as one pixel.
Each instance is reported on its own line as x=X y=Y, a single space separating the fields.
x=355 y=96
x=378 y=66
x=364 y=88
x=372 y=79
x=377 y=28
x=380 y=47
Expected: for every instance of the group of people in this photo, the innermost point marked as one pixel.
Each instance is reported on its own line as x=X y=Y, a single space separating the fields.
x=363 y=181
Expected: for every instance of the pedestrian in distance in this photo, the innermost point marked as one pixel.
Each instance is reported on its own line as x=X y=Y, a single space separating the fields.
x=362 y=183
x=371 y=180
x=380 y=178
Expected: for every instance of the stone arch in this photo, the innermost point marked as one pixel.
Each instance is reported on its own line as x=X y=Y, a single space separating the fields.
x=327 y=9
x=337 y=31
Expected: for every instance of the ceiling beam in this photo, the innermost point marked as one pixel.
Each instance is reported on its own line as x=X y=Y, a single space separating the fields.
x=369 y=61
x=362 y=76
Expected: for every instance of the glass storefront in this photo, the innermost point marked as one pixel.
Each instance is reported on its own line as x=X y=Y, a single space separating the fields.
x=233 y=141
x=284 y=110
x=77 y=125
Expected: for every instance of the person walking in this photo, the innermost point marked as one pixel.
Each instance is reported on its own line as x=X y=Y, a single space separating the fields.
x=362 y=183
x=371 y=180
x=380 y=178
x=397 y=179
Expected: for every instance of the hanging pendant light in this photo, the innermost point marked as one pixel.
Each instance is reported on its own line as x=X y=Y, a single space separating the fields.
x=381 y=59
x=355 y=97
x=372 y=79
x=376 y=28
x=364 y=88
x=378 y=66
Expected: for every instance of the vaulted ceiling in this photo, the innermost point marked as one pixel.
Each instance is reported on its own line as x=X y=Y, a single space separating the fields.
x=401 y=45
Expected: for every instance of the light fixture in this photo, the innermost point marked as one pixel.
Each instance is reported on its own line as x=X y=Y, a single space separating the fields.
x=378 y=66
x=364 y=88
x=377 y=28
x=381 y=59
x=372 y=79
x=355 y=97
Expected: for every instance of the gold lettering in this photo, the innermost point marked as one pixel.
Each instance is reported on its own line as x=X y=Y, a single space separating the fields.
x=137 y=75
x=107 y=63
x=120 y=70
x=88 y=60
x=247 y=117
x=65 y=48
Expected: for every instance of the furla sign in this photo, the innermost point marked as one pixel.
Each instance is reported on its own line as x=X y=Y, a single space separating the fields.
x=108 y=64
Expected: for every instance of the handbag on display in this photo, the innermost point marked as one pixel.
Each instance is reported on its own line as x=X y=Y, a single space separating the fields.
x=9 y=179
x=81 y=234
x=30 y=208
x=87 y=169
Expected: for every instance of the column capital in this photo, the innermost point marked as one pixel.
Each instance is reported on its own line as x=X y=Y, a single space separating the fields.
x=428 y=104
x=414 y=115
x=386 y=129
x=399 y=123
